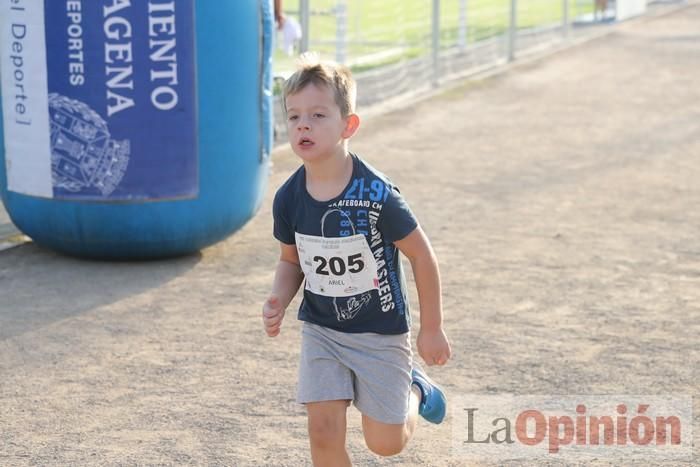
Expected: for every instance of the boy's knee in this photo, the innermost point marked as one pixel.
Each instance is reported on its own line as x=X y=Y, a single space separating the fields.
x=385 y=446
x=326 y=431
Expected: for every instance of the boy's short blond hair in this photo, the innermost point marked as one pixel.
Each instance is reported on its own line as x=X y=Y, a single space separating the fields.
x=338 y=78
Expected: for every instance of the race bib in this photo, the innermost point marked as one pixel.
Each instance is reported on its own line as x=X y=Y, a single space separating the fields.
x=337 y=267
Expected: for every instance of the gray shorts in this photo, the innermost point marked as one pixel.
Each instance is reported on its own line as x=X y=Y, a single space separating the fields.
x=372 y=370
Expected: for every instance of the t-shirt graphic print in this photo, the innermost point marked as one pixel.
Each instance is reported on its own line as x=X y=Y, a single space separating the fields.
x=353 y=275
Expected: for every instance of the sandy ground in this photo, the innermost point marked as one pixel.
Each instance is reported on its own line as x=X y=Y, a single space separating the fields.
x=562 y=198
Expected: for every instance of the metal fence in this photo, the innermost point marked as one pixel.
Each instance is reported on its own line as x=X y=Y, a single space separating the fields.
x=395 y=47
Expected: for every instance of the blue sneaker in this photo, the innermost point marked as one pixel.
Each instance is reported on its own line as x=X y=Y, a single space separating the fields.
x=433 y=404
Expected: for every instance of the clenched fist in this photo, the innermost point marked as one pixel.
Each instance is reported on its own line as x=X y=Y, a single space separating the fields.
x=272 y=315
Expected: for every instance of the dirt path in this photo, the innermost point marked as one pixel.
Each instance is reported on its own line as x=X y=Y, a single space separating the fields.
x=563 y=202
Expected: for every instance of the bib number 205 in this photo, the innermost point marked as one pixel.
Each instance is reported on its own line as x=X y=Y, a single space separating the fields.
x=337 y=266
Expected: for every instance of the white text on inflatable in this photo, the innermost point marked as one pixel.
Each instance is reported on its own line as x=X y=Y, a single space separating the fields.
x=119 y=68
x=76 y=57
x=18 y=32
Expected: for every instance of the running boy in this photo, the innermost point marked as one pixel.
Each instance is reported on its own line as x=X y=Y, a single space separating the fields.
x=341 y=224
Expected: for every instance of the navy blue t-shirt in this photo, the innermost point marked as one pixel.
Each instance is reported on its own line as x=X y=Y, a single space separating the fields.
x=372 y=206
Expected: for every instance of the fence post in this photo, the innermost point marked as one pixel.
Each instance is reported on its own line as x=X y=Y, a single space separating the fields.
x=513 y=29
x=462 y=28
x=304 y=22
x=566 y=19
x=436 y=43
x=341 y=29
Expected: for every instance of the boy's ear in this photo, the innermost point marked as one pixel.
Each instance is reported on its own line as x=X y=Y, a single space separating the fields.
x=352 y=123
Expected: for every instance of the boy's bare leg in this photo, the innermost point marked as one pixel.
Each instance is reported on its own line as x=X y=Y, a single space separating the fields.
x=389 y=439
x=327 y=428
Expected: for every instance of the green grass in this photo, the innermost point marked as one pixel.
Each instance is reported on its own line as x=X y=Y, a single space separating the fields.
x=405 y=25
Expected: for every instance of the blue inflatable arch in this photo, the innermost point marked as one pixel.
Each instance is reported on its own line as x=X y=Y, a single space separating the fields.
x=134 y=129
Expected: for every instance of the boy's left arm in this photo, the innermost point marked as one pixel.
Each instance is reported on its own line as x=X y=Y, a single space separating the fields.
x=432 y=342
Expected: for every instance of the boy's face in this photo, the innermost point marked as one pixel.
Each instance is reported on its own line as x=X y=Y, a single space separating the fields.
x=315 y=128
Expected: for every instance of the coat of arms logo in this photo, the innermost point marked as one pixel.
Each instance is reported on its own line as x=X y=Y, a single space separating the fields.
x=83 y=154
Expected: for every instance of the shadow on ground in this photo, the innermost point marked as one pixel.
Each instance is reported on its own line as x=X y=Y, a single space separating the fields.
x=42 y=287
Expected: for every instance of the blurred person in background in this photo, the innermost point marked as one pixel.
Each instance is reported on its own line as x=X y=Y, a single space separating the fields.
x=289 y=30
x=601 y=6
x=279 y=16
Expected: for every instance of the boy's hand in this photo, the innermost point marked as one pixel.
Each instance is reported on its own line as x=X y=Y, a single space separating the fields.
x=272 y=314
x=433 y=346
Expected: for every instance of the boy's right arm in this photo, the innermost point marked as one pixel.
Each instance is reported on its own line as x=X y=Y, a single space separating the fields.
x=288 y=278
